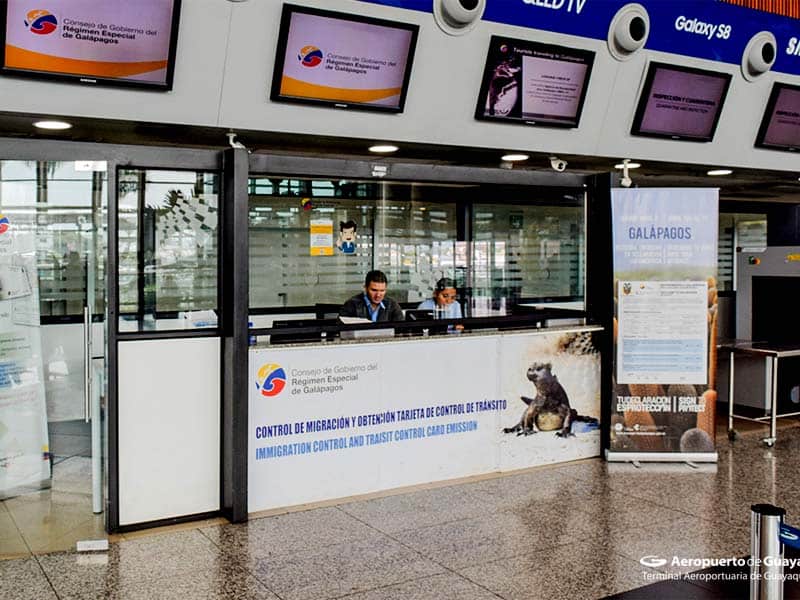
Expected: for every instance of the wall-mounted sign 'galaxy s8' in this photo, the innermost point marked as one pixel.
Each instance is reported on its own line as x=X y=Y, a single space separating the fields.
x=114 y=42
x=532 y=83
x=346 y=61
x=14 y=282
x=705 y=29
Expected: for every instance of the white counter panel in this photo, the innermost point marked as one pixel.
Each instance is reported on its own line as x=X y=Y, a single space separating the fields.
x=169 y=428
x=346 y=419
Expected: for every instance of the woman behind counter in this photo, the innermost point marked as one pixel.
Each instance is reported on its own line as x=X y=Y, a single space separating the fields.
x=443 y=302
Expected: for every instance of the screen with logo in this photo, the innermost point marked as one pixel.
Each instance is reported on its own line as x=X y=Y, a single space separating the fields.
x=341 y=60
x=780 y=128
x=532 y=83
x=114 y=42
x=680 y=103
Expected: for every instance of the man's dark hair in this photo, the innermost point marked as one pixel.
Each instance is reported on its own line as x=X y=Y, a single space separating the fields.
x=444 y=283
x=376 y=276
x=348 y=225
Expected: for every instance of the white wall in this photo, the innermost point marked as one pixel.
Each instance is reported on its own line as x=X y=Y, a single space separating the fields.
x=224 y=68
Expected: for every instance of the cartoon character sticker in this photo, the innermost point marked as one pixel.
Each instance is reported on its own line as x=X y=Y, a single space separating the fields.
x=347 y=237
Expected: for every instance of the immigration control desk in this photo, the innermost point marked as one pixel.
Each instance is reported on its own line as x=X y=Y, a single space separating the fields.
x=339 y=419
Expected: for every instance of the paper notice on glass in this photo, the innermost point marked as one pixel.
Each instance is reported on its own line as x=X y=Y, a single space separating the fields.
x=663 y=332
x=321 y=240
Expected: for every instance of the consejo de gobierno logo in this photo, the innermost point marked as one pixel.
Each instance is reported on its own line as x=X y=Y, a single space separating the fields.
x=41 y=22
x=310 y=56
x=4 y=224
x=271 y=380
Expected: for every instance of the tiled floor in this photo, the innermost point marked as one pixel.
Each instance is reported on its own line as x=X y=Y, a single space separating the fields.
x=571 y=531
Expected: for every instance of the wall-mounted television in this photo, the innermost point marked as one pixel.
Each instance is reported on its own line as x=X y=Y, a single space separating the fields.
x=114 y=42
x=341 y=60
x=680 y=103
x=534 y=84
x=780 y=127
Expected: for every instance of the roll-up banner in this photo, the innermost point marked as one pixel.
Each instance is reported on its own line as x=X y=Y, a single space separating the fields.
x=24 y=450
x=665 y=321
x=342 y=420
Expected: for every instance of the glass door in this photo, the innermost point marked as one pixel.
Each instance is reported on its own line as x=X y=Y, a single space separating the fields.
x=52 y=350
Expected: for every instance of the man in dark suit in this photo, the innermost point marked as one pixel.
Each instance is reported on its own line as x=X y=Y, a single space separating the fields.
x=373 y=303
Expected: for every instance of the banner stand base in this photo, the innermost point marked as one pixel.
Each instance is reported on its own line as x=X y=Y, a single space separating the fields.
x=687 y=457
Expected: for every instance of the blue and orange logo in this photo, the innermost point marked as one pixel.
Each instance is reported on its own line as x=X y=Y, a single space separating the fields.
x=271 y=380
x=5 y=224
x=310 y=56
x=41 y=22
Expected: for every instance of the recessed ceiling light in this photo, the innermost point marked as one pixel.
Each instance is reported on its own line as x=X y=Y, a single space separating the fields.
x=714 y=172
x=514 y=157
x=631 y=165
x=52 y=125
x=383 y=148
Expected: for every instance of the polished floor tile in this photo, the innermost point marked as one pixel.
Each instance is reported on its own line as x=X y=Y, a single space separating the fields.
x=287 y=534
x=576 y=530
x=590 y=570
x=343 y=568
x=23 y=579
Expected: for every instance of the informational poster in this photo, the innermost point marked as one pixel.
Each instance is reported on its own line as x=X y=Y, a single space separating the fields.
x=115 y=39
x=343 y=420
x=24 y=450
x=664 y=371
x=662 y=331
x=321 y=237
x=344 y=61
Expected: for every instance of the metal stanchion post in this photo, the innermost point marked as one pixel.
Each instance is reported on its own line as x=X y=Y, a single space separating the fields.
x=766 y=552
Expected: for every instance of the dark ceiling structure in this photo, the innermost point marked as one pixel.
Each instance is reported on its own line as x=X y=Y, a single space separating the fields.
x=750 y=185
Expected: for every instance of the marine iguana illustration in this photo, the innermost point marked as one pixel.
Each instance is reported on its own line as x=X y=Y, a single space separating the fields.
x=551 y=399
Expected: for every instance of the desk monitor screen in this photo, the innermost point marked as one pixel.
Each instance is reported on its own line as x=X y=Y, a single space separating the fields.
x=774 y=316
x=780 y=128
x=419 y=315
x=534 y=84
x=115 y=42
x=680 y=103
x=342 y=60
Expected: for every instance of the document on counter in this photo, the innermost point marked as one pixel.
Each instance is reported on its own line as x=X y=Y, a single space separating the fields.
x=353 y=320
x=662 y=332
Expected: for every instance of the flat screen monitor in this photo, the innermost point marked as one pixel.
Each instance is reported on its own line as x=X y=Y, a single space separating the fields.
x=680 y=103
x=534 y=84
x=780 y=127
x=415 y=314
x=342 y=60
x=773 y=320
x=114 y=42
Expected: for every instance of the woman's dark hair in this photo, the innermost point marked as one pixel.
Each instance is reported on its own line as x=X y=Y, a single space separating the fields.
x=376 y=276
x=444 y=283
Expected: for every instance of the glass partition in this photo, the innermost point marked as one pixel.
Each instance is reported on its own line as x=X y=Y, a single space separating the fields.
x=312 y=241
x=55 y=200
x=529 y=252
x=168 y=249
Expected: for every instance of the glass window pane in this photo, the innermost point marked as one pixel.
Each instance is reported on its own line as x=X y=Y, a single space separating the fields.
x=406 y=230
x=168 y=223
x=61 y=206
x=529 y=252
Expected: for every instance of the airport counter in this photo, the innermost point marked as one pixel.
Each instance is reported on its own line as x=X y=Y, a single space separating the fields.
x=342 y=418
